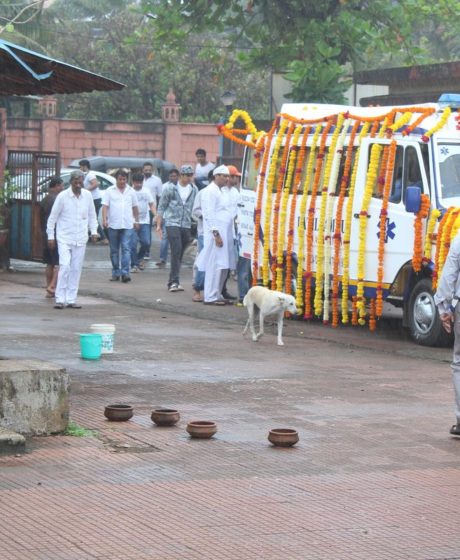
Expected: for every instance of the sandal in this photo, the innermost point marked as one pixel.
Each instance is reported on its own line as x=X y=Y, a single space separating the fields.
x=217 y=302
x=59 y=306
x=197 y=299
x=73 y=306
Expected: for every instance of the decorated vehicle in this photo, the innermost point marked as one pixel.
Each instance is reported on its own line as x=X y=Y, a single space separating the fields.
x=348 y=207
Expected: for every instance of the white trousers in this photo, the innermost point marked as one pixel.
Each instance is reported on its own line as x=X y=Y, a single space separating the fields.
x=70 y=264
x=456 y=362
x=214 y=282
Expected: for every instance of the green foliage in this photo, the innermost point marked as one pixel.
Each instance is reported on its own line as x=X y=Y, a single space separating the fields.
x=318 y=43
x=75 y=430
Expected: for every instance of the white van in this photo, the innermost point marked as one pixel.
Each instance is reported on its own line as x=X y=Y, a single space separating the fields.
x=345 y=204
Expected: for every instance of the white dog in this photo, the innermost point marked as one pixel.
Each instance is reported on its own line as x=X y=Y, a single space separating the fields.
x=269 y=303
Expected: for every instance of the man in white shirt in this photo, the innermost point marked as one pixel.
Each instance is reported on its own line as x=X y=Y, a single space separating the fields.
x=202 y=169
x=72 y=215
x=91 y=184
x=120 y=213
x=141 y=236
x=155 y=186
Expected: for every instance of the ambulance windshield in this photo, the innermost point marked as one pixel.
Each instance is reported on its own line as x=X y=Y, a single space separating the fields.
x=449 y=165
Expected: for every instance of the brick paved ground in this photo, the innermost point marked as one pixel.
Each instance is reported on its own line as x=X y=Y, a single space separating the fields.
x=374 y=476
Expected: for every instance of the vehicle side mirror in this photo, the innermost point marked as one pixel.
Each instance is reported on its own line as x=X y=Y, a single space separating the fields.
x=413 y=199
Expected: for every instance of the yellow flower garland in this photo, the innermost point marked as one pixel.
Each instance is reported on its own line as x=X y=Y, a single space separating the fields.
x=284 y=203
x=302 y=227
x=435 y=213
x=347 y=232
x=275 y=223
x=328 y=237
x=442 y=121
x=268 y=202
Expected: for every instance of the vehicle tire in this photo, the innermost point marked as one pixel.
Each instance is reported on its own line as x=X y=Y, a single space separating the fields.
x=423 y=318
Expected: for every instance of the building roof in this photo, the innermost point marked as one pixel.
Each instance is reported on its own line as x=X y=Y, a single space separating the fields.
x=25 y=72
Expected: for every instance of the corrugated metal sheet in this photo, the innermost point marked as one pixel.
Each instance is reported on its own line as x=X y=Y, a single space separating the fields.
x=25 y=72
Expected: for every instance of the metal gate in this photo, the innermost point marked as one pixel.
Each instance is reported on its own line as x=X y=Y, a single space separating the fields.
x=30 y=173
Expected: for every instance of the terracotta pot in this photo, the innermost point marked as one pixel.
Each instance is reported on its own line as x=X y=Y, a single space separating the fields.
x=118 y=412
x=165 y=416
x=202 y=429
x=283 y=437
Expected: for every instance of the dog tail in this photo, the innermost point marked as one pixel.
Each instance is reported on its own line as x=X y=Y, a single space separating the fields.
x=245 y=300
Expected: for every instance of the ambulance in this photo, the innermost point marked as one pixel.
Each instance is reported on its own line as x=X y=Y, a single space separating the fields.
x=349 y=208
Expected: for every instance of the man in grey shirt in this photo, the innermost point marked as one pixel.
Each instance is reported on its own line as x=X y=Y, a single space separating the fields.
x=446 y=299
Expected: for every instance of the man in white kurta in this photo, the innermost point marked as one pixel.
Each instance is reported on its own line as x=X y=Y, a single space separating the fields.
x=218 y=255
x=73 y=214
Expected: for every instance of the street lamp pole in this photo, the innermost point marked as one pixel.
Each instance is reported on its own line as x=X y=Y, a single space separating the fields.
x=227 y=98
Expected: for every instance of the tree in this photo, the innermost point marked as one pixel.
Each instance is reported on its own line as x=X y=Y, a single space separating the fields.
x=116 y=40
x=318 y=44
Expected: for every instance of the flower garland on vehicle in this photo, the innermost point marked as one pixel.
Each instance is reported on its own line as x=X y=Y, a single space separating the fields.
x=268 y=202
x=284 y=203
x=311 y=220
x=347 y=232
x=258 y=208
x=421 y=215
x=429 y=236
x=297 y=179
x=447 y=235
x=442 y=121
x=344 y=183
x=302 y=226
x=372 y=177
x=390 y=163
x=328 y=224
x=439 y=241
x=322 y=234
x=276 y=210
x=230 y=132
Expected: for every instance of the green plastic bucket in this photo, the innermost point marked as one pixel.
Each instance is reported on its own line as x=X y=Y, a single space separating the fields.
x=90 y=346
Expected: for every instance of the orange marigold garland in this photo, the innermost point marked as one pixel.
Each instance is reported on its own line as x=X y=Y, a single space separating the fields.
x=347 y=232
x=390 y=163
x=344 y=183
x=259 y=199
x=429 y=236
x=311 y=220
x=276 y=209
x=297 y=179
x=322 y=233
x=329 y=213
x=421 y=215
x=283 y=214
x=439 y=239
x=372 y=321
x=302 y=225
x=268 y=201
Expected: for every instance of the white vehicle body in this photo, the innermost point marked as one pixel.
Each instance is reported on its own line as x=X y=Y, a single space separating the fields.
x=433 y=166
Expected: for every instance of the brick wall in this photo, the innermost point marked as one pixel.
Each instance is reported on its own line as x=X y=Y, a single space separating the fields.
x=75 y=139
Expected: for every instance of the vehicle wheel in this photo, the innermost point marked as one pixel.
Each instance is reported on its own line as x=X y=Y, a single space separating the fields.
x=423 y=318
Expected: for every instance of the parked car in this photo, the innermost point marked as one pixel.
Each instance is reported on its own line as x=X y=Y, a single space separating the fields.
x=23 y=183
x=110 y=164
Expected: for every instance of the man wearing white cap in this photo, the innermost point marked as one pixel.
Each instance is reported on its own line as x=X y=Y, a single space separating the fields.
x=218 y=255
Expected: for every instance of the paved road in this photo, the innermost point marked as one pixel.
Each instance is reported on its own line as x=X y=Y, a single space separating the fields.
x=374 y=476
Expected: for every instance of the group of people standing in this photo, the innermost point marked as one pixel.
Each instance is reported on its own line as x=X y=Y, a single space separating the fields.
x=207 y=196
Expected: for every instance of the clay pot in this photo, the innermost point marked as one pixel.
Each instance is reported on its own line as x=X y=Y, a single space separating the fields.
x=283 y=437
x=118 y=412
x=202 y=429
x=165 y=416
